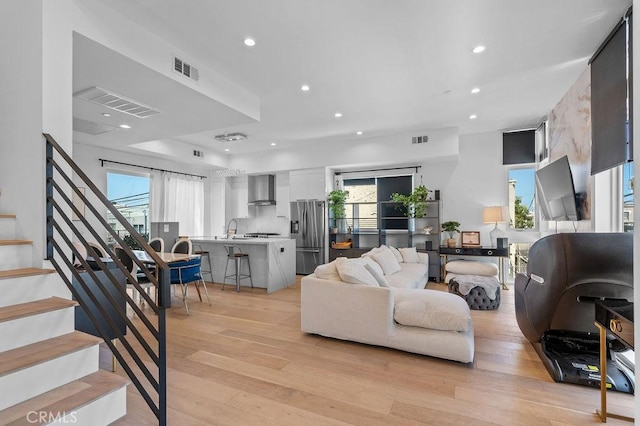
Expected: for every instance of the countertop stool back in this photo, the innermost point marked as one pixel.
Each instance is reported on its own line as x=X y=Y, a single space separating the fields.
x=236 y=256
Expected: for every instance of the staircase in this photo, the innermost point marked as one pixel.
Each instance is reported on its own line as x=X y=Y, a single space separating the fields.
x=48 y=371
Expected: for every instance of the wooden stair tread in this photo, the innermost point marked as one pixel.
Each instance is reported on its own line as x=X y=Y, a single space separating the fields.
x=24 y=272
x=39 y=352
x=65 y=399
x=7 y=216
x=21 y=310
x=15 y=242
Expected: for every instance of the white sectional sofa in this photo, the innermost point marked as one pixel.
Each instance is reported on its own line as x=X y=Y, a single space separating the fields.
x=338 y=300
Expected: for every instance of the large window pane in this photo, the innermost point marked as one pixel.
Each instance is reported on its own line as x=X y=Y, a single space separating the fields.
x=627 y=200
x=522 y=198
x=130 y=195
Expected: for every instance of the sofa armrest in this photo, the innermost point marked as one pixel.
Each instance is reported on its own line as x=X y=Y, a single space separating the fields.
x=423 y=258
x=346 y=311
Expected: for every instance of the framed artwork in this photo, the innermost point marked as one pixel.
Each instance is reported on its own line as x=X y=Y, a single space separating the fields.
x=470 y=238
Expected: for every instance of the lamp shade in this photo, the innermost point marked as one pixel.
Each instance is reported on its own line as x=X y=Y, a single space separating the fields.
x=495 y=214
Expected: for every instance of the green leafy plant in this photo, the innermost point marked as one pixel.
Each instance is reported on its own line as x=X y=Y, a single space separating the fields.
x=337 y=199
x=415 y=204
x=132 y=243
x=451 y=227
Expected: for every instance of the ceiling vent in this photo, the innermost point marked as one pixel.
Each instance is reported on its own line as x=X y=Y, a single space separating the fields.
x=419 y=139
x=185 y=69
x=230 y=137
x=117 y=102
x=197 y=153
x=91 y=128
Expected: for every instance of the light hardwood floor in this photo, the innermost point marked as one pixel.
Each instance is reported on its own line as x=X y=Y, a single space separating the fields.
x=244 y=361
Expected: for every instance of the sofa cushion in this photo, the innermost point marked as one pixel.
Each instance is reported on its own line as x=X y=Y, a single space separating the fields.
x=375 y=270
x=412 y=275
x=472 y=267
x=377 y=274
x=353 y=271
x=387 y=262
x=409 y=254
x=434 y=311
x=328 y=271
x=397 y=254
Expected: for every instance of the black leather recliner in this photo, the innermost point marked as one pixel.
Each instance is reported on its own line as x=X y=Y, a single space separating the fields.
x=565 y=274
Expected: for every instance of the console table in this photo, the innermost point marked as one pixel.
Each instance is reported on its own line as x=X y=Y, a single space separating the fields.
x=615 y=317
x=500 y=253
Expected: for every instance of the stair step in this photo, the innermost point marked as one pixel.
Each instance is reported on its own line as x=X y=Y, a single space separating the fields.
x=15 y=242
x=65 y=400
x=24 y=272
x=36 y=353
x=10 y=313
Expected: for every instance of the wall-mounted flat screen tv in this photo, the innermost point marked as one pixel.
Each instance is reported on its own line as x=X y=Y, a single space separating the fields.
x=556 y=193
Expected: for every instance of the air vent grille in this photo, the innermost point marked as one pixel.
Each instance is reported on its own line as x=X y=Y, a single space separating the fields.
x=185 y=69
x=419 y=139
x=197 y=153
x=112 y=100
x=91 y=128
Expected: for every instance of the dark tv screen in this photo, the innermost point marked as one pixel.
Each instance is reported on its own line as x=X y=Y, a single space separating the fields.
x=556 y=193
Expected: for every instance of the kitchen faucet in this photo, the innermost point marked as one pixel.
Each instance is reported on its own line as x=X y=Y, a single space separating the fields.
x=229 y=227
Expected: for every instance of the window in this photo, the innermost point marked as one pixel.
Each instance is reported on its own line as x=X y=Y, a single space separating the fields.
x=130 y=195
x=522 y=198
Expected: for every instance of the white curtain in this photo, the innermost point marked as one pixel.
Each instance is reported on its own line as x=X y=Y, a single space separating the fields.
x=178 y=198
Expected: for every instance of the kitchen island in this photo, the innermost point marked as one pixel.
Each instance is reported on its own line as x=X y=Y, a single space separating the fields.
x=273 y=260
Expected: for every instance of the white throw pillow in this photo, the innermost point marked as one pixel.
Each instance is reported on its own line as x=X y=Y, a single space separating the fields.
x=387 y=262
x=434 y=314
x=377 y=273
x=373 y=251
x=368 y=260
x=396 y=253
x=355 y=273
x=409 y=255
x=328 y=271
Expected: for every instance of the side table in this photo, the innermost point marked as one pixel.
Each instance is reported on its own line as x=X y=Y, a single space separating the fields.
x=615 y=317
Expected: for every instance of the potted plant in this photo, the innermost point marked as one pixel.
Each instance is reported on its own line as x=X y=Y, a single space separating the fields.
x=336 y=201
x=451 y=227
x=414 y=204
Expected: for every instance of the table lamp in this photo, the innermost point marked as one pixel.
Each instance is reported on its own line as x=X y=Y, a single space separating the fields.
x=495 y=214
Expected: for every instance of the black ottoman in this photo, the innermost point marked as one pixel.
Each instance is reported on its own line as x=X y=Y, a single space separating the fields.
x=477 y=298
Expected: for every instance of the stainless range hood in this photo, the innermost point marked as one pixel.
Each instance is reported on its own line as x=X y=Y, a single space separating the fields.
x=262 y=190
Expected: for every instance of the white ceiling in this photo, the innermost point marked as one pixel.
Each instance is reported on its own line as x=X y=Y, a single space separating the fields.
x=387 y=66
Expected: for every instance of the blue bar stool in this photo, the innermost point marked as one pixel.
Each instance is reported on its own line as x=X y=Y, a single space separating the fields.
x=236 y=256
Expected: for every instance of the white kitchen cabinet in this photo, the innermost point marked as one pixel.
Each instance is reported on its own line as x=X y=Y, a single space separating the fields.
x=307 y=184
x=282 y=194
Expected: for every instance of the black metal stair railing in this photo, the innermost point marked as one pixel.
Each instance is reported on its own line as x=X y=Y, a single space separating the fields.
x=142 y=353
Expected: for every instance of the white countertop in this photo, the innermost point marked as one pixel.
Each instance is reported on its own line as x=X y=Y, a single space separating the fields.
x=238 y=240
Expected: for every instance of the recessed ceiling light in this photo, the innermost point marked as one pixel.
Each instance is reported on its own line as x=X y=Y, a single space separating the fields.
x=249 y=42
x=125 y=126
x=473 y=117
x=337 y=115
x=106 y=114
x=475 y=90
x=305 y=88
x=226 y=150
x=273 y=144
x=358 y=132
x=479 y=49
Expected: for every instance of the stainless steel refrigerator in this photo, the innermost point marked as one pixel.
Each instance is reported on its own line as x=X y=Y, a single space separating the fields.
x=307 y=228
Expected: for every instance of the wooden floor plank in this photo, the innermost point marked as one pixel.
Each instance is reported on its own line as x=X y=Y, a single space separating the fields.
x=244 y=360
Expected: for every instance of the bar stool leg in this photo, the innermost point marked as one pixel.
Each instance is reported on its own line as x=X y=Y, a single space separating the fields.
x=250 y=276
x=238 y=270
